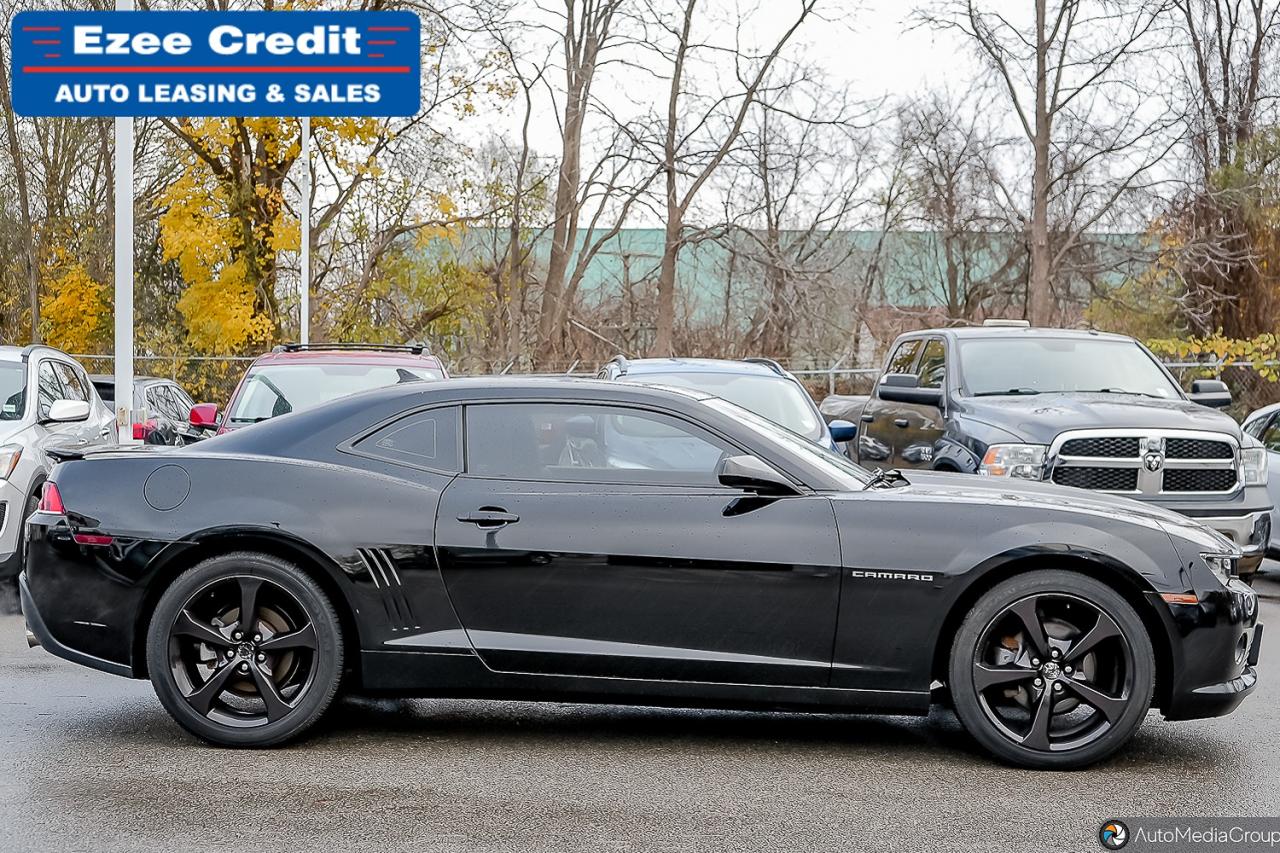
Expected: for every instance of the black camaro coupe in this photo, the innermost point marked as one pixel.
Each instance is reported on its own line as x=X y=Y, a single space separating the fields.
x=512 y=538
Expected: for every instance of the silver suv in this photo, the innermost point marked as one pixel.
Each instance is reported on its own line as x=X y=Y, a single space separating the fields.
x=46 y=400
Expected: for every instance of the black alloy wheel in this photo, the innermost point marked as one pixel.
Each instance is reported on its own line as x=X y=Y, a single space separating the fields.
x=1052 y=670
x=245 y=650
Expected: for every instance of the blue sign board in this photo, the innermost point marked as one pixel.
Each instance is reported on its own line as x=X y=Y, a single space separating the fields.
x=216 y=63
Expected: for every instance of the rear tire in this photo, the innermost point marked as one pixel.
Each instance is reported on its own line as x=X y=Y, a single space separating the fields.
x=1052 y=670
x=252 y=682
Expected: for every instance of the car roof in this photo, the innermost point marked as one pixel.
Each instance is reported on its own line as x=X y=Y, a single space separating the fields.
x=341 y=356
x=1263 y=412
x=640 y=366
x=974 y=332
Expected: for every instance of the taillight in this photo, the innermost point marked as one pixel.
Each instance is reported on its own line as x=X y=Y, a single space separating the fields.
x=51 y=500
x=142 y=431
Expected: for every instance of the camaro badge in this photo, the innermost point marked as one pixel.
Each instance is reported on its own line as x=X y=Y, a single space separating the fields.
x=891 y=576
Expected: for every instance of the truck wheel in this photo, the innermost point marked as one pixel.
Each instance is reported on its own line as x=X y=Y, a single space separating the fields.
x=1052 y=670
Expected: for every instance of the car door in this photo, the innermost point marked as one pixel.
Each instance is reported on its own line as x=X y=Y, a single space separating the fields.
x=914 y=443
x=883 y=420
x=561 y=557
x=76 y=386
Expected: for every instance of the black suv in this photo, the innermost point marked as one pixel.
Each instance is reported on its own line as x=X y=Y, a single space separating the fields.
x=1078 y=408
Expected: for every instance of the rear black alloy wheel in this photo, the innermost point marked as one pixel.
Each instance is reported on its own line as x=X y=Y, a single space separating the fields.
x=245 y=650
x=1052 y=669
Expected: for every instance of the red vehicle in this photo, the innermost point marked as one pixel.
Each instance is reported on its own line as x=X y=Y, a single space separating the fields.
x=293 y=377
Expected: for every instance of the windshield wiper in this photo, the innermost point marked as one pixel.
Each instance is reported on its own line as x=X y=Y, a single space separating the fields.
x=1120 y=391
x=885 y=478
x=1010 y=392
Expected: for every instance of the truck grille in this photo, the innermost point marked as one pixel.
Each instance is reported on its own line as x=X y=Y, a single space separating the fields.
x=1191 y=480
x=1153 y=462
x=1197 y=448
x=1106 y=448
x=1099 y=479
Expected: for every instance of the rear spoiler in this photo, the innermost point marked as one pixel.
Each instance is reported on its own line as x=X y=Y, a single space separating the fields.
x=64 y=454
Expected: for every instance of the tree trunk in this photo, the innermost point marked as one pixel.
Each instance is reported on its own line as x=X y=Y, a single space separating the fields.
x=1039 y=291
x=664 y=335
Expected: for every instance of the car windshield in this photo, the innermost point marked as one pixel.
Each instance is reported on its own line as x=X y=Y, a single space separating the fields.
x=849 y=475
x=13 y=390
x=774 y=397
x=1035 y=365
x=279 y=389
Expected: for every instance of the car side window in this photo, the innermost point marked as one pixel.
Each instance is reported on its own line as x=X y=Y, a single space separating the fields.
x=153 y=401
x=1271 y=436
x=49 y=388
x=579 y=442
x=72 y=386
x=1256 y=426
x=933 y=364
x=183 y=401
x=422 y=440
x=904 y=357
x=169 y=404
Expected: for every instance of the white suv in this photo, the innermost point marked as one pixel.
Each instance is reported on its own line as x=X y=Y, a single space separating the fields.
x=46 y=400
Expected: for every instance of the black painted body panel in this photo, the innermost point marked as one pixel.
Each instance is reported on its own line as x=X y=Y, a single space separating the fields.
x=671 y=595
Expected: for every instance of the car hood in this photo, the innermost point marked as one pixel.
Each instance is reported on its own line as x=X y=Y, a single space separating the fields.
x=1039 y=418
x=1005 y=491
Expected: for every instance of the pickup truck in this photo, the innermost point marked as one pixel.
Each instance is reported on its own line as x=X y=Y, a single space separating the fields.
x=1077 y=408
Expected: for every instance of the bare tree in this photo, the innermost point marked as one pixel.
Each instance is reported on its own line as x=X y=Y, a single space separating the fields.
x=697 y=134
x=1094 y=132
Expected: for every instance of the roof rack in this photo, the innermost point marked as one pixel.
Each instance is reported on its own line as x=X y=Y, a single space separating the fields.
x=1007 y=324
x=767 y=362
x=414 y=348
x=621 y=361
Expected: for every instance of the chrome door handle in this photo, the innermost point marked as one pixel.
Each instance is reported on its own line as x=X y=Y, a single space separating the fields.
x=866 y=419
x=900 y=422
x=489 y=519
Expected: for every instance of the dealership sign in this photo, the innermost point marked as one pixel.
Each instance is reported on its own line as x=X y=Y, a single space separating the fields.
x=216 y=63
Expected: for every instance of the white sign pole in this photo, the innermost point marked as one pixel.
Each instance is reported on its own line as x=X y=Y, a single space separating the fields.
x=306 y=231
x=124 y=269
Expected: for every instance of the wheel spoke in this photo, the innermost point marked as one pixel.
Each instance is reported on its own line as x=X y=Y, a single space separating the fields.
x=303 y=638
x=249 y=604
x=1110 y=707
x=202 y=698
x=1103 y=629
x=1037 y=737
x=986 y=676
x=277 y=707
x=1025 y=610
x=187 y=625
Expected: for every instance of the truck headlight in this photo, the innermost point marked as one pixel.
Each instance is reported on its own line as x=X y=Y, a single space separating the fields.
x=9 y=456
x=1223 y=566
x=1253 y=466
x=1014 y=460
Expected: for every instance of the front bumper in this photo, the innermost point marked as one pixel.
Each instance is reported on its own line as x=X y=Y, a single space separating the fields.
x=13 y=505
x=1251 y=533
x=1217 y=643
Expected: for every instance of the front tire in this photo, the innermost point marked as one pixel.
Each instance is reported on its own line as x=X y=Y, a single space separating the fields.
x=1052 y=670
x=247 y=681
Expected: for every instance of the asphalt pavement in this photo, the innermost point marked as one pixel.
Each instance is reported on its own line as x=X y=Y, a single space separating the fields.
x=89 y=761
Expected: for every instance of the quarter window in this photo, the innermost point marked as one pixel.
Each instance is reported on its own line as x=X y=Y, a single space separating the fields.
x=904 y=357
x=423 y=440
x=1271 y=436
x=933 y=364
x=50 y=388
x=586 y=443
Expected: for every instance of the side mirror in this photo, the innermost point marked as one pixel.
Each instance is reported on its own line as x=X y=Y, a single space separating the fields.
x=904 y=388
x=66 y=411
x=204 y=416
x=750 y=474
x=842 y=431
x=1213 y=393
